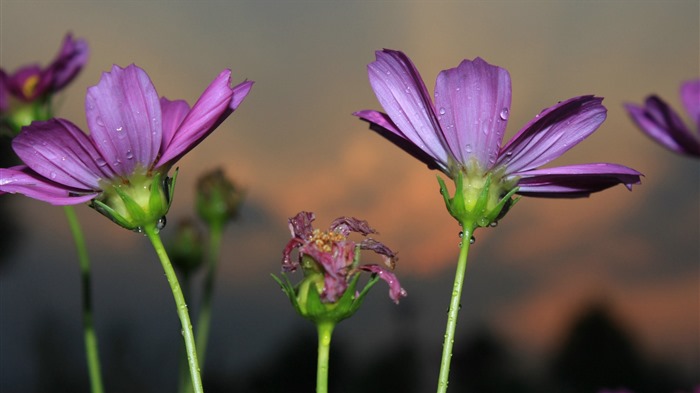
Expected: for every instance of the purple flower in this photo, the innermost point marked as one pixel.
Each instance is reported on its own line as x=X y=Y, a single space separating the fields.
x=135 y=139
x=24 y=94
x=662 y=124
x=332 y=255
x=461 y=132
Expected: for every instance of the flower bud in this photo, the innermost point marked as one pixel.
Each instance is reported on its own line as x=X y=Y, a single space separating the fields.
x=218 y=199
x=186 y=250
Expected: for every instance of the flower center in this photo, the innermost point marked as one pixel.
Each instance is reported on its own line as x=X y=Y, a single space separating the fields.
x=29 y=85
x=324 y=240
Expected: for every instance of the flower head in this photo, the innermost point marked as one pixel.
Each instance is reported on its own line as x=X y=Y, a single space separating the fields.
x=135 y=138
x=662 y=124
x=460 y=133
x=330 y=261
x=218 y=198
x=25 y=94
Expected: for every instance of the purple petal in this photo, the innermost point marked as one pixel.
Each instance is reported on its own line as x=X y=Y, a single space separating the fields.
x=575 y=180
x=208 y=112
x=287 y=264
x=690 y=95
x=27 y=84
x=389 y=256
x=551 y=133
x=662 y=124
x=395 y=290
x=402 y=93
x=124 y=116
x=240 y=92
x=345 y=225
x=382 y=125
x=69 y=61
x=300 y=225
x=172 y=115
x=59 y=151
x=473 y=103
x=23 y=180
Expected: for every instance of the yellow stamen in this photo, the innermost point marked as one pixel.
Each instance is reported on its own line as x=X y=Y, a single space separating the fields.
x=324 y=240
x=30 y=85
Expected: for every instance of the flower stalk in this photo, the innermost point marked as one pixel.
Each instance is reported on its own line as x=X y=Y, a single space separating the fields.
x=90 y=337
x=325 y=331
x=151 y=232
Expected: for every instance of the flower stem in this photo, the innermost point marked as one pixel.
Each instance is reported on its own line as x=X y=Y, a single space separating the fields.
x=204 y=318
x=182 y=312
x=325 y=330
x=90 y=337
x=443 y=379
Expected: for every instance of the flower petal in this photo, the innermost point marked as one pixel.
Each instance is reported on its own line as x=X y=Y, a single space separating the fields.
x=551 y=133
x=240 y=92
x=575 y=180
x=69 y=61
x=59 y=151
x=23 y=180
x=662 y=124
x=300 y=225
x=402 y=93
x=212 y=107
x=172 y=115
x=690 y=95
x=389 y=256
x=382 y=125
x=124 y=116
x=473 y=102
x=345 y=225
x=395 y=290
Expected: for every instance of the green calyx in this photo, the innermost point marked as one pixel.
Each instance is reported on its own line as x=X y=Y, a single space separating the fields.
x=139 y=201
x=23 y=114
x=479 y=201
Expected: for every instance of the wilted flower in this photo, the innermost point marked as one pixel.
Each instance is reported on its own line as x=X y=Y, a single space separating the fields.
x=25 y=94
x=330 y=261
x=461 y=132
x=662 y=124
x=122 y=166
x=218 y=198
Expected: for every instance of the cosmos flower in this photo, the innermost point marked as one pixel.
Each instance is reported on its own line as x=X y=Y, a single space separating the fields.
x=24 y=94
x=460 y=133
x=135 y=138
x=662 y=124
x=331 y=255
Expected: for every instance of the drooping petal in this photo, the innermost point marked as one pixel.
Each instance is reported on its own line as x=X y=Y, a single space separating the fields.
x=172 y=115
x=59 y=151
x=300 y=225
x=551 y=133
x=124 y=116
x=212 y=107
x=69 y=61
x=287 y=264
x=473 y=103
x=402 y=93
x=575 y=180
x=395 y=290
x=345 y=225
x=389 y=256
x=662 y=124
x=381 y=124
x=24 y=181
x=690 y=96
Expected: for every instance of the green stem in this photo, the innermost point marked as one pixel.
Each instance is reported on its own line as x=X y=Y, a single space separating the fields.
x=204 y=319
x=185 y=381
x=90 y=337
x=443 y=379
x=182 y=313
x=325 y=330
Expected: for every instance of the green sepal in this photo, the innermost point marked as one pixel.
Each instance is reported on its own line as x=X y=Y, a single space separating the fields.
x=110 y=213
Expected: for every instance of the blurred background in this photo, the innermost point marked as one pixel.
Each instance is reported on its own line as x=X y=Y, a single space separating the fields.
x=563 y=296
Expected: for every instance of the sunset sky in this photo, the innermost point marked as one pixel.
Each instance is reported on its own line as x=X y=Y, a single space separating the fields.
x=293 y=145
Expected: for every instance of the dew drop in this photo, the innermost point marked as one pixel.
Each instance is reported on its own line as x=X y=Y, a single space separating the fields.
x=100 y=162
x=493 y=224
x=119 y=129
x=161 y=223
x=442 y=111
x=460 y=245
x=504 y=114
x=52 y=175
x=129 y=154
x=468 y=148
x=461 y=234
x=99 y=121
x=472 y=240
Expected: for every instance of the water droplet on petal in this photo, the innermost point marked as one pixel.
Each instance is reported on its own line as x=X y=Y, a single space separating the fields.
x=52 y=175
x=442 y=111
x=100 y=162
x=129 y=154
x=99 y=122
x=468 y=148
x=119 y=129
x=504 y=114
